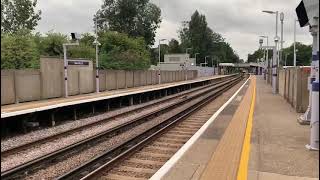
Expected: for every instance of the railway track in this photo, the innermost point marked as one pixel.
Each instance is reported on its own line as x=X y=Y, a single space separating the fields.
x=41 y=163
x=103 y=119
x=145 y=163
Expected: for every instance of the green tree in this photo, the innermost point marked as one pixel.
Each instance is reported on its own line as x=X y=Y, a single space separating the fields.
x=51 y=44
x=137 y=18
x=19 y=51
x=174 y=46
x=82 y=51
x=119 y=51
x=197 y=35
x=87 y=39
x=18 y=14
x=304 y=55
x=258 y=54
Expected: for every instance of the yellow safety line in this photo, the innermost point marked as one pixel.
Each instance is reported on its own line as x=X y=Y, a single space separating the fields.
x=243 y=166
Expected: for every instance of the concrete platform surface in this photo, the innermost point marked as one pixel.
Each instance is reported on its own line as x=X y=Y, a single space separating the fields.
x=278 y=141
x=276 y=148
x=193 y=162
x=28 y=107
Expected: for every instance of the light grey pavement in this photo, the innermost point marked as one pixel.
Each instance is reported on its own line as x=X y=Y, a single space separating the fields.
x=278 y=142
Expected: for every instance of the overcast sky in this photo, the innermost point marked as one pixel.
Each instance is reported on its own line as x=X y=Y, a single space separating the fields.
x=239 y=21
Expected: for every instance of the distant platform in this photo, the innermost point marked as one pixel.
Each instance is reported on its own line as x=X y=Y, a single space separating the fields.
x=269 y=145
x=35 y=106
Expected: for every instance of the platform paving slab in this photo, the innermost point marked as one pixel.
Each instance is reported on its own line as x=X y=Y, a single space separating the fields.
x=278 y=141
x=193 y=162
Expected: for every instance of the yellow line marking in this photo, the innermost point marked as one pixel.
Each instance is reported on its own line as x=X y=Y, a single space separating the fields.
x=244 y=161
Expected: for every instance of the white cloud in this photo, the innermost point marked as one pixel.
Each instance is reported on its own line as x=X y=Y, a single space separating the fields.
x=239 y=21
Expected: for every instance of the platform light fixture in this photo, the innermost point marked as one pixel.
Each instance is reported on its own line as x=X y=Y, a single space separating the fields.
x=275 y=62
x=97 y=44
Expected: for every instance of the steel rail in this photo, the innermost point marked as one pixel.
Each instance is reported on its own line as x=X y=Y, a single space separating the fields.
x=109 y=158
x=22 y=147
x=37 y=163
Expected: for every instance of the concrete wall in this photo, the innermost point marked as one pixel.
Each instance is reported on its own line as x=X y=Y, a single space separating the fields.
x=48 y=82
x=129 y=79
x=51 y=77
x=136 y=78
x=154 y=77
x=293 y=86
x=143 y=78
x=27 y=83
x=149 y=77
x=281 y=79
x=73 y=82
x=111 y=79
x=203 y=71
x=8 y=95
x=102 y=80
x=121 y=79
x=86 y=81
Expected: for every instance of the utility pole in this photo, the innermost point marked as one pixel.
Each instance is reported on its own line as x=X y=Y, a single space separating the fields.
x=275 y=62
x=186 y=64
x=294 y=44
x=196 y=57
x=159 y=72
x=97 y=44
x=281 y=46
x=267 y=63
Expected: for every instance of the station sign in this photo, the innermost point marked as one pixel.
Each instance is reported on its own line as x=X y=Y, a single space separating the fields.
x=78 y=63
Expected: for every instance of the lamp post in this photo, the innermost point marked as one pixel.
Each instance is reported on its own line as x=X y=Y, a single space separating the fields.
x=196 y=57
x=97 y=44
x=275 y=62
x=266 y=56
x=218 y=67
x=281 y=39
x=186 y=64
x=159 y=73
x=294 y=43
x=205 y=61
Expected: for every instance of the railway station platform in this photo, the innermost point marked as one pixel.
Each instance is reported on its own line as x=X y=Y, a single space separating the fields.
x=253 y=136
x=42 y=105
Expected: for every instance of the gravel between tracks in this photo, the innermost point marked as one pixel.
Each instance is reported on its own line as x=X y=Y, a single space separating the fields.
x=54 y=145
x=78 y=159
x=15 y=141
x=42 y=149
x=159 y=143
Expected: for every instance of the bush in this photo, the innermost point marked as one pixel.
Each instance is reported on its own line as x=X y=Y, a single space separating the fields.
x=118 y=51
x=81 y=51
x=51 y=45
x=19 y=51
